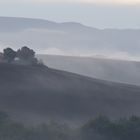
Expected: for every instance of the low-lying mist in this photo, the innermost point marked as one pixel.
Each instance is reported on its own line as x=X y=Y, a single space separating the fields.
x=100 y=68
x=69 y=38
x=100 y=128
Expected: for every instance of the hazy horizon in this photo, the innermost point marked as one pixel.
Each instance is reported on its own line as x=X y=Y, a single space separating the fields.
x=69 y=39
x=99 y=14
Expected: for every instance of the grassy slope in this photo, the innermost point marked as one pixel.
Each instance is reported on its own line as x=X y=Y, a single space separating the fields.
x=107 y=69
x=31 y=93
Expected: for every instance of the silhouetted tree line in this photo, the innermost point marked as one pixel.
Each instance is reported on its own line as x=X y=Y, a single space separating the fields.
x=101 y=128
x=24 y=55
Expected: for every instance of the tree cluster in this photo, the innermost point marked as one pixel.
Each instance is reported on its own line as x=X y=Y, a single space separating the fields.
x=11 y=130
x=23 y=55
x=101 y=128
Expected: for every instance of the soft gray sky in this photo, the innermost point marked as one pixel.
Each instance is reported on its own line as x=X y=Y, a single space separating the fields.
x=96 y=13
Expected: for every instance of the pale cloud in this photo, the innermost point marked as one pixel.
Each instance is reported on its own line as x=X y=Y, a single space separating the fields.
x=90 y=1
x=129 y=2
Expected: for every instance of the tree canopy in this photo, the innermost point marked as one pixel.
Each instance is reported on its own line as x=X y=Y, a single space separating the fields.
x=9 y=54
x=24 y=55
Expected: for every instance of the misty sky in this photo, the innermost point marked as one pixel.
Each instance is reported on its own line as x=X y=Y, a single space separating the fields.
x=96 y=13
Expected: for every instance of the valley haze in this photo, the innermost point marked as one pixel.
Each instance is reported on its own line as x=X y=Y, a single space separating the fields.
x=69 y=38
x=96 y=67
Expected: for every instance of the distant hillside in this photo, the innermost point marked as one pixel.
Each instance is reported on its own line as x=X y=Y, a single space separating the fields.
x=20 y=24
x=68 y=38
x=106 y=69
x=36 y=94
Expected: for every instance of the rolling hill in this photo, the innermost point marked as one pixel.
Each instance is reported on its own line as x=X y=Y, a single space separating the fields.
x=100 y=68
x=35 y=94
x=68 y=38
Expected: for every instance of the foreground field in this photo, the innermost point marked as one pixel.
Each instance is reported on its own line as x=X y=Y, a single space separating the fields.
x=35 y=94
